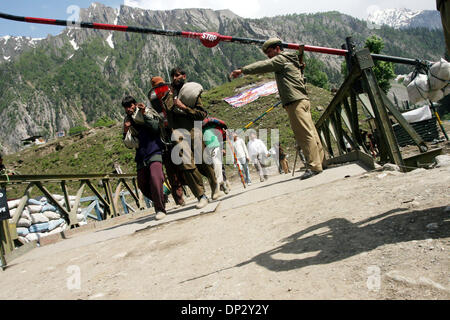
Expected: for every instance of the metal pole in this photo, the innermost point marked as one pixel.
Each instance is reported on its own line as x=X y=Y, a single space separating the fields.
x=438 y=119
x=262 y=115
x=208 y=39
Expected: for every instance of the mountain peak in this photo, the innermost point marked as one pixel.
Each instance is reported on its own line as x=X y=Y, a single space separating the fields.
x=406 y=18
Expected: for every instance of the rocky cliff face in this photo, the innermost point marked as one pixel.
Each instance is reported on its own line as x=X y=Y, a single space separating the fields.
x=11 y=47
x=80 y=75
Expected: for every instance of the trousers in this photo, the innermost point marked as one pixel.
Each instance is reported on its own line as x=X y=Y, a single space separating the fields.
x=305 y=133
x=150 y=181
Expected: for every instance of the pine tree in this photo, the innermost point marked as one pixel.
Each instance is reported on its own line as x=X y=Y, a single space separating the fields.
x=384 y=71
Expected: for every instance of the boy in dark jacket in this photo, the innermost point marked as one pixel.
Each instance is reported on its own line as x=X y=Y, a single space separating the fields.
x=144 y=125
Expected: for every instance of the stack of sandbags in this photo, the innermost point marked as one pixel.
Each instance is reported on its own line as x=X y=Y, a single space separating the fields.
x=433 y=86
x=40 y=218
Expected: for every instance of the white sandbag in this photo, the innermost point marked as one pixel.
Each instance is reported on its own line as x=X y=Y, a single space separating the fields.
x=130 y=140
x=26 y=214
x=72 y=198
x=23 y=223
x=43 y=234
x=22 y=231
x=34 y=208
x=23 y=240
x=139 y=118
x=38 y=218
x=419 y=114
x=13 y=204
x=436 y=95
x=33 y=236
x=56 y=230
x=51 y=215
x=418 y=89
x=12 y=212
x=34 y=202
x=37 y=236
x=48 y=207
x=58 y=197
x=55 y=224
x=82 y=223
x=39 y=227
x=189 y=93
x=439 y=74
x=80 y=217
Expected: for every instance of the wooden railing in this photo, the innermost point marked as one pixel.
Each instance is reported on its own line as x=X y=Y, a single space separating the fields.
x=108 y=199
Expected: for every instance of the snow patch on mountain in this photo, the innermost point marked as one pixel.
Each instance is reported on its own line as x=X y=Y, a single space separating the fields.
x=406 y=18
x=116 y=20
x=6 y=38
x=109 y=41
x=74 y=44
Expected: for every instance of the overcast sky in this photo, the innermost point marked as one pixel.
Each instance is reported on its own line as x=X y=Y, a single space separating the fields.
x=63 y=9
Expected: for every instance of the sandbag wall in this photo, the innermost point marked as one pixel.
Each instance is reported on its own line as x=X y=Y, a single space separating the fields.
x=39 y=218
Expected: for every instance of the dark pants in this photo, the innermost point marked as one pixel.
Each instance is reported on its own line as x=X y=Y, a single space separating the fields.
x=150 y=181
x=174 y=175
x=194 y=180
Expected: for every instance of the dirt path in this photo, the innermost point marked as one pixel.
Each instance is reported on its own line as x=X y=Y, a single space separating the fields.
x=377 y=235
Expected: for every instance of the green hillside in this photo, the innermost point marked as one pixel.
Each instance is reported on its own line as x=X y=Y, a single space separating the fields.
x=97 y=149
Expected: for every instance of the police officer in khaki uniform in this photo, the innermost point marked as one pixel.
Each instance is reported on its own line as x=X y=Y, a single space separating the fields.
x=291 y=87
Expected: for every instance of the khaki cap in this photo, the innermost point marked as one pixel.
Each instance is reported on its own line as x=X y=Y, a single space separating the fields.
x=270 y=43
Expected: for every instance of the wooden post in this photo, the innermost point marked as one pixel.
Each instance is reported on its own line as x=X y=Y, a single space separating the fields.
x=382 y=121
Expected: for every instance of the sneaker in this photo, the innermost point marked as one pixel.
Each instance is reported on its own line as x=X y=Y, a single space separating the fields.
x=160 y=215
x=262 y=179
x=216 y=194
x=309 y=173
x=249 y=183
x=202 y=202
